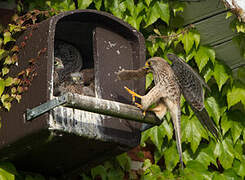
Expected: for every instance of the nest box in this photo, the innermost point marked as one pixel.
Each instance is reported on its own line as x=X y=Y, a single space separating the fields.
x=65 y=140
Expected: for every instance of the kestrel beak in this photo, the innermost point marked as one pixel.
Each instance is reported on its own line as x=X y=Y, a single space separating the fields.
x=147 y=66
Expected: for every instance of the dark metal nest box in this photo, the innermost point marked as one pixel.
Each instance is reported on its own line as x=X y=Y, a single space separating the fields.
x=66 y=140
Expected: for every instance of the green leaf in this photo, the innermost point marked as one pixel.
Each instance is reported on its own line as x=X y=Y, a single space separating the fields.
x=237 y=127
x=236 y=94
x=99 y=171
x=9 y=81
x=148 y=2
x=221 y=73
x=5 y=71
x=156 y=136
x=83 y=4
x=192 y=131
x=201 y=58
x=168 y=129
x=3 y=53
x=124 y=161
x=206 y=155
x=2 y=86
x=148 y=80
x=7 y=171
x=225 y=124
x=153 y=15
x=188 y=41
x=163 y=9
x=115 y=174
x=239 y=167
x=152 y=47
x=228 y=14
x=7 y=37
x=225 y=152
x=196 y=37
x=197 y=170
x=213 y=108
x=97 y=4
x=171 y=156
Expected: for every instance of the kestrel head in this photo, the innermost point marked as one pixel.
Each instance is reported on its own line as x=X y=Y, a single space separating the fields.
x=58 y=65
x=155 y=64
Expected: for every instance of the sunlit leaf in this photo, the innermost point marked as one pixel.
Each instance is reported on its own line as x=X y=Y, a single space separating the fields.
x=2 y=86
x=164 y=11
x=236 y=94
x=203 y=55
x=7 y=37
x=188 y=41
x=5 y=71
x=225 y=152
x=221 y=73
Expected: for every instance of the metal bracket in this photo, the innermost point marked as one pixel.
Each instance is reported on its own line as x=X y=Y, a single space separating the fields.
x=45 y=107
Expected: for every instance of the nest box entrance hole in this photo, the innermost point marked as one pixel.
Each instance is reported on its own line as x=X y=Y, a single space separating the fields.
x=73 y=58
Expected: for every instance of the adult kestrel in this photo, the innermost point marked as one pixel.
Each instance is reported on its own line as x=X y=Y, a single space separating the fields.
x=170 y=82
x=165 y=95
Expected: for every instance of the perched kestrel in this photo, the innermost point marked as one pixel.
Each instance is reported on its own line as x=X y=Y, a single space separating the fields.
x=170 y=82
x=165 y=95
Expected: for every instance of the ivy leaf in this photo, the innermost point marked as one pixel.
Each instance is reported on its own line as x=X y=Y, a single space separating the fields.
x=236 y=94
x=124 y=161
x=99 y=171
x=2 y=86
x=98 y=4
x=148 y=80
x=213 y=108
x=158 y=10
x=197 y=170
x=208 y=72
x=221 y=73
x=195 y=36
x=156 y=136
x=84 y=4
x=206 y=155
x=152 y=47
x=187 y=41
x=225 y=152
x=168 y=129
x=148 y=2
x=7 y=37
x=3 y=53
x=192 y=131
x=203 y=55
x=237 y=127
x=239 y=167
x=225 y=124
x=164 y=11
x=171 y=156
x=153 y=15
x=9 y=81
x=5 y=71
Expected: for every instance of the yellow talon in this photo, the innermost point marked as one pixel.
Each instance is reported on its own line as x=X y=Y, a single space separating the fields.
x=134 y=94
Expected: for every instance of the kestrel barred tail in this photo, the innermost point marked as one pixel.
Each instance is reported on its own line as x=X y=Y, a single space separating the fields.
x=170 y=82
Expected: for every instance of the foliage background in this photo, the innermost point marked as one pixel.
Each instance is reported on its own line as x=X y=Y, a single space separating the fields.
x=161 y=23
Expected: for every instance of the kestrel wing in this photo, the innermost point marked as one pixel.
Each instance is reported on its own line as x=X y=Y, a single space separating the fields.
x=191 y=86
x=131 y=74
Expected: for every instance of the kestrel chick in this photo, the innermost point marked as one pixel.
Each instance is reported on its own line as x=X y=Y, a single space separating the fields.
x=165 y=94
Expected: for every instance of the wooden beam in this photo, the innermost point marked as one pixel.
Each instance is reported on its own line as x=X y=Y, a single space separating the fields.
x=110 y=108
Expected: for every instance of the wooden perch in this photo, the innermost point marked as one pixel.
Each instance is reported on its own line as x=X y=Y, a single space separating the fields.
x=110 y=108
